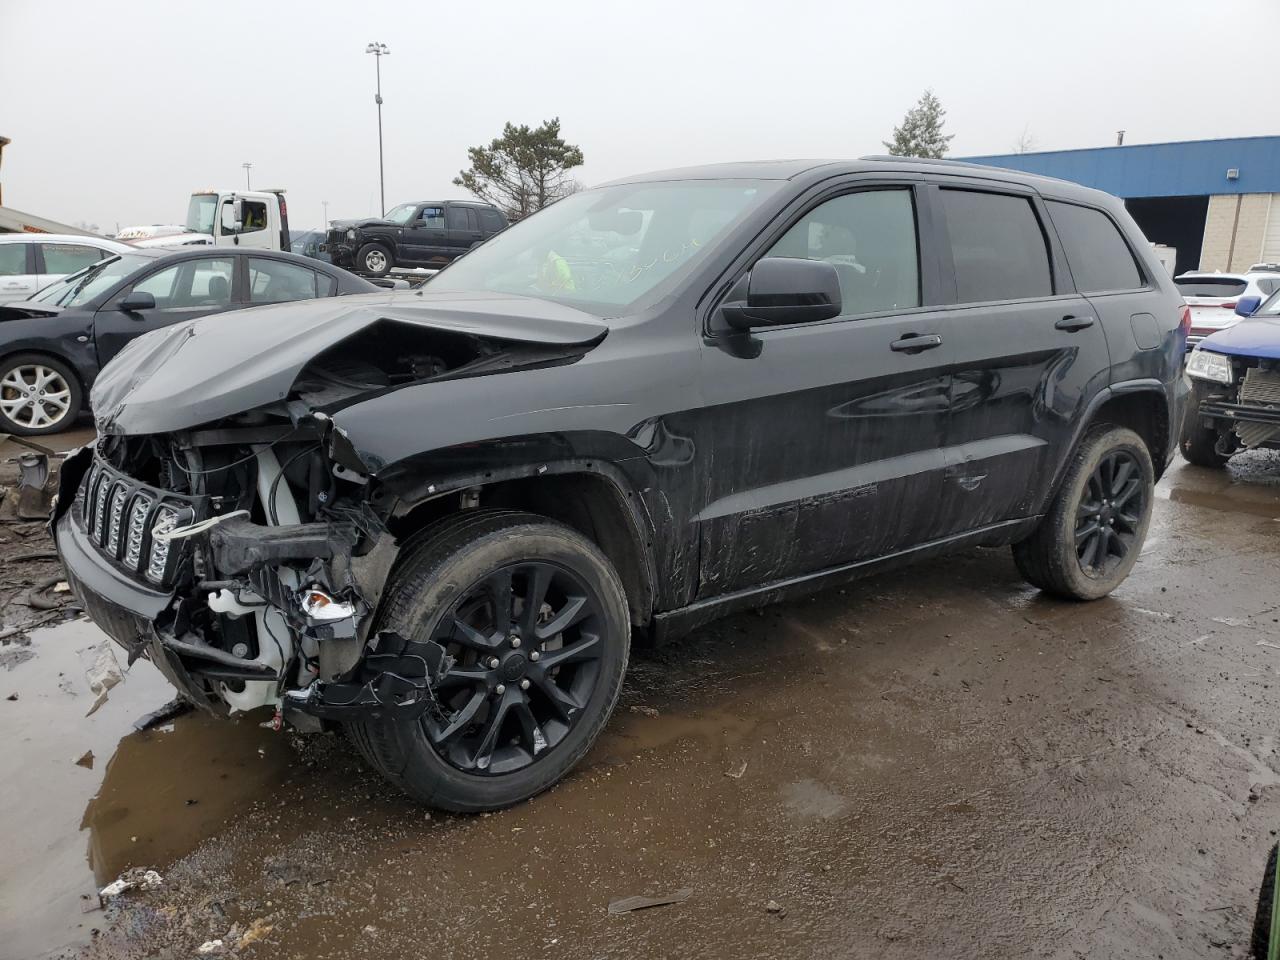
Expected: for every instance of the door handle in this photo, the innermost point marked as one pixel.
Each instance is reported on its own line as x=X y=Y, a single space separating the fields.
x=1072 y=324
x=914 y=342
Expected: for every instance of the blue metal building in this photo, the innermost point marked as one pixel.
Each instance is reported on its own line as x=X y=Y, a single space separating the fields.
x=1216 y=201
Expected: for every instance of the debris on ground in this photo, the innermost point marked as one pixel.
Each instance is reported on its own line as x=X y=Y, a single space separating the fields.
x=209 y=947
x=774 y=907
x=257 y=930
x=646 y=711
x=35 y=488
x=631 y=904
x=737 y=774
x=133 y=878
x=103 y=674
x=174 y=708
x=86 y=761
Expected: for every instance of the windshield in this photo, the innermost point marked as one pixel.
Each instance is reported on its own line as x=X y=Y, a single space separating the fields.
x=401 y=213
x=82 y=287
x=201 y=211
x=603 y=250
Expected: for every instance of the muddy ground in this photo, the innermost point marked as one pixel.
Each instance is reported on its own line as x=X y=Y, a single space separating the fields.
x=933 y=763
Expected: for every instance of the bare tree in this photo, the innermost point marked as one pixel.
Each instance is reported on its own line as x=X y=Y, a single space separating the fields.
x=1025 y=143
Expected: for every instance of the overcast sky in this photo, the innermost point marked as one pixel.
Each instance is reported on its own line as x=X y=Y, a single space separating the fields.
x=118 y=110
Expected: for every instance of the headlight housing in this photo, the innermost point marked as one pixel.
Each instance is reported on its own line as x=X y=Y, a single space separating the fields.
x=351 y=234
x=1207 y=365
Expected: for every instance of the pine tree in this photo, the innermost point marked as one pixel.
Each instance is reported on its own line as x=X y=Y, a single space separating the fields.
x=920 y=134
x=523 y=170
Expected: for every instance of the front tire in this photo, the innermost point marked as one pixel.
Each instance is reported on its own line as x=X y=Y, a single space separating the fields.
x=374 y=260
x=1091 y=537
x=535 y=619
x=38 y=395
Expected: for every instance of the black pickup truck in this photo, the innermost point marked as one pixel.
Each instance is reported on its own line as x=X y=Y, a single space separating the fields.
x=427 y=233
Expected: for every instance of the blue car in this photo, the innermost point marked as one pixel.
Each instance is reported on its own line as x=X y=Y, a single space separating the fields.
x=1235 y=379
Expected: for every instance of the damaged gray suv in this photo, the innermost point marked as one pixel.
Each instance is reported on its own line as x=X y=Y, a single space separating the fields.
x=436 y=518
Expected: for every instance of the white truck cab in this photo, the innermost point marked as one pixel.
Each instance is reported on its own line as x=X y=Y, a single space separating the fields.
x=258 y=220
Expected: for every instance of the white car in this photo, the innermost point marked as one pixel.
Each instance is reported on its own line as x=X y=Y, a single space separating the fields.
x=29 y=262
x=1212 y=297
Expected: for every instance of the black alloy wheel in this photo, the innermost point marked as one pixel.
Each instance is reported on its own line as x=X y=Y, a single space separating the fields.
x=526 y=646
x=1110 y=513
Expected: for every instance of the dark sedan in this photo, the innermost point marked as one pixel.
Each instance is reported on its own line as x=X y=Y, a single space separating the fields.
x=53 y=345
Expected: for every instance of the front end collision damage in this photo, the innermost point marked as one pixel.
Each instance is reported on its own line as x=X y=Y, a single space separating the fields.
x=280 y=544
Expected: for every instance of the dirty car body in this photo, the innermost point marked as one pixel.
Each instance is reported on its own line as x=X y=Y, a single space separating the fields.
x=612 y=367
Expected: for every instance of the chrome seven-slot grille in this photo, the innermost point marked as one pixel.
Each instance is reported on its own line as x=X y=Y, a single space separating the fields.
x=120 y=515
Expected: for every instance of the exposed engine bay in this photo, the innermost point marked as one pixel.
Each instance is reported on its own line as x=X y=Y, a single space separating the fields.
x=246 y=556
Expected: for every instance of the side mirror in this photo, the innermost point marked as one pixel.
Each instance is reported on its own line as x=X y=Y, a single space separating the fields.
x=237 y=213
x=1248 y=306
x=137 y=300
x=781 y=290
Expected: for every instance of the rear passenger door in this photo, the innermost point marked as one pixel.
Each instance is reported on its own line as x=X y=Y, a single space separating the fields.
x=464 y=228
x=279 y=281
x=1028 y=352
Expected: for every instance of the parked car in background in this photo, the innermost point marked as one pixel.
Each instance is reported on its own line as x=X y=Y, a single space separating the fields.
x=1212 y=297
x=427 y=233
x=29 y=262
x=436 y=518
x=53 y=346
x=1235 y=400
x=310 y=243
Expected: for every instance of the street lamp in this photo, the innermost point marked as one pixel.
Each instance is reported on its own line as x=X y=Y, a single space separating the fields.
x=379 y=50
x=247 y=167
x=325 y=221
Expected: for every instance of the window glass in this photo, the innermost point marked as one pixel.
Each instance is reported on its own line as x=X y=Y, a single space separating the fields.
x=870 y=238
x=64 y=258
x=255 y=215
x=401 y=213
x=195 y=283
x=607 y=249
x=1268 y=286
x=997 y=247
x=432 y=217
x=491 y=220
x=1099 y=258
x=13 y=259
x=1210 y=286
x=274 y=281
x=457 y=218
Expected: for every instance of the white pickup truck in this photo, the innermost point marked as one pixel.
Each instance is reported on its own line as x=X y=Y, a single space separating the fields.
x=258 y=220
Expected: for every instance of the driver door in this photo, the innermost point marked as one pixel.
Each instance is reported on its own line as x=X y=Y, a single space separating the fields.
x=183 y=291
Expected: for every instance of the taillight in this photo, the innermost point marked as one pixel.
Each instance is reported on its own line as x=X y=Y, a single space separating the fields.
x=1185 y=324
x=1228 y=306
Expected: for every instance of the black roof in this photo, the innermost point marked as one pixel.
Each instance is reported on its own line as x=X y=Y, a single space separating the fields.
x=822 y=169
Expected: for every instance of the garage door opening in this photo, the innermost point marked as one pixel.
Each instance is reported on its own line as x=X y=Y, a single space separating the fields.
x=1176 y=222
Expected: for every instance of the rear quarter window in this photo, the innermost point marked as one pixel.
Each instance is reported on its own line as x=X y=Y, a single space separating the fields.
x=1211 y=286
x=1099 y=258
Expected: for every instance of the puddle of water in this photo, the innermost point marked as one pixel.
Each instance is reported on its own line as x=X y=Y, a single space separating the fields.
x=70 y=828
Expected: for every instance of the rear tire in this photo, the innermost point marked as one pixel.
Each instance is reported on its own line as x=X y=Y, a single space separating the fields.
x=1091 y=537
x=503 y=733
x=374 y=259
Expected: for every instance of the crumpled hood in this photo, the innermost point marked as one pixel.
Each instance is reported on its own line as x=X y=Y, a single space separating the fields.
x=366 y=222
x=195 y=372
x=1255 y=337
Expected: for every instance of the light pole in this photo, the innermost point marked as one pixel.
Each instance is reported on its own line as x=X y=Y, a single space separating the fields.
x=247 y=167
x=379 y=50
x=325 y=221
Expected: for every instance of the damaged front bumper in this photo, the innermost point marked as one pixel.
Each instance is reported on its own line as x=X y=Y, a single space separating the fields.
x=237 y=614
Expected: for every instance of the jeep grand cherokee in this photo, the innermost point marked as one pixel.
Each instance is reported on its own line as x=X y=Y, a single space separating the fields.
x=436 y=518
